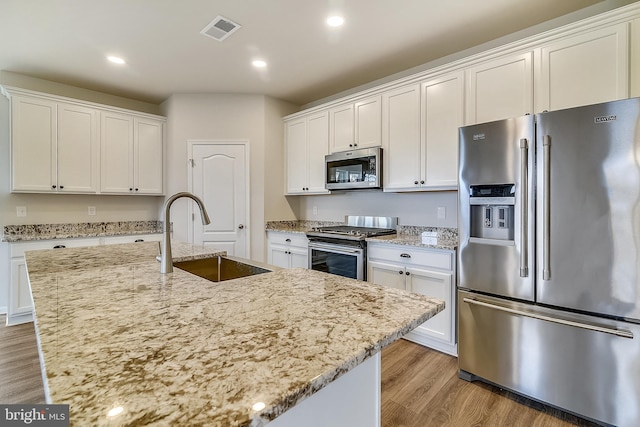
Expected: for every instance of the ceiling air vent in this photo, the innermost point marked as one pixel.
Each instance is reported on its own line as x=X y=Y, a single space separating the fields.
x=220 y=28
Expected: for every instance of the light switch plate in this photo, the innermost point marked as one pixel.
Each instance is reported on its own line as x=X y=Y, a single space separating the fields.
x=21 y=211
x=91 y=210
x=442 y=212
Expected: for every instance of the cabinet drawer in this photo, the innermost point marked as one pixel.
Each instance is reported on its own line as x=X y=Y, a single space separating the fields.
x=132 y=238
x=18 y=249
x=441 y=259
x=289 y=239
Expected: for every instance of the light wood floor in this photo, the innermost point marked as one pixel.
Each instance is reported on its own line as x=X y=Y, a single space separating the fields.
x=420 y=387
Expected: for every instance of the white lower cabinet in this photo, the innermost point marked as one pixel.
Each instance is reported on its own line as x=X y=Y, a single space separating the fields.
x=20 y=307
x=132 y=238
x=287 y=250
x=20 y=301
x=428 y=272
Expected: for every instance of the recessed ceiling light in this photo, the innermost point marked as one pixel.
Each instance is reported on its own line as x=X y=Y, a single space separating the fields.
x=335 y=21
x=116 y=60
x=259 y=63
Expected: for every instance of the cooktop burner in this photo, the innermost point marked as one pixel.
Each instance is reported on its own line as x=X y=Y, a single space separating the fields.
x=349 y=230
x=356 y=228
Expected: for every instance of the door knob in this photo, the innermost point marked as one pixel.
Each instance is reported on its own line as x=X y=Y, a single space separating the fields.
x=240 y=227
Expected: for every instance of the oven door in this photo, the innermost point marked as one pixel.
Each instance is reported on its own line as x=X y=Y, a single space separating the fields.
x=337 y=258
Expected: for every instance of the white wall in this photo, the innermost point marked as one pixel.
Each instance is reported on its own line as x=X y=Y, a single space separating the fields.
x=254 y=118
x=418 y=208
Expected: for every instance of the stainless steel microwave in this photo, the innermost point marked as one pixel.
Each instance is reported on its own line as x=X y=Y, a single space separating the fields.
x=355 y=169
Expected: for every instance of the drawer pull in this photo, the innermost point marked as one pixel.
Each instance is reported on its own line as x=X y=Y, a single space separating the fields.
x=288 y=240
x=405 y=255
x=400 y=272
x=59 y=247
x=139 y=240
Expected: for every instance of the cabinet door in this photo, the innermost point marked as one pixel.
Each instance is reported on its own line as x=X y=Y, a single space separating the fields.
x=77 y=149
x=317 y=148
x=585 y=69
x=148 y=156
x=386 y=274
x=368 y=123
x=500 y=89
x=296 y=137
x=341 y=128
x=299 y=258
x=20 y=301
x=436 y=285
x=278 y=256
x=401 y=137
x=443 y=109
x=116 y=173
x=33 y=154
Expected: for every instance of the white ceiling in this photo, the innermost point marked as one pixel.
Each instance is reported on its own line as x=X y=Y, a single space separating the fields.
x=66 y=41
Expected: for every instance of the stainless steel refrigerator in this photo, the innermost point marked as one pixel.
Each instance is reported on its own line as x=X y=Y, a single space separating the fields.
x=549 y=258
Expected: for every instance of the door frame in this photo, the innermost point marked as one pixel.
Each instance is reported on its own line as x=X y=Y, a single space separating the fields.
x=247 y=160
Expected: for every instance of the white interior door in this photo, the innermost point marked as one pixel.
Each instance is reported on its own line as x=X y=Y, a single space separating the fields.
x=220 y=177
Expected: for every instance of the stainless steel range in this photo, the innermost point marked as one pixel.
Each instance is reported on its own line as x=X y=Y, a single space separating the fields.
x=342 y=249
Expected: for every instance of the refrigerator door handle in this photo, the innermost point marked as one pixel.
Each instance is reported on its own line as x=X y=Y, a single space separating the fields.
x=618 y=332
x=524 y=209
x=546 y=232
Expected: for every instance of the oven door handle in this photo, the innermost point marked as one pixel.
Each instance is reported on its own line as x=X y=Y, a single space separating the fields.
x=336 y=248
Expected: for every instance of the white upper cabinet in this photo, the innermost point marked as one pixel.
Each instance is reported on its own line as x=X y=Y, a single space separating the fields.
x=355 y=125
x=584 y=69
x=401 y=138
x=34 y=137
x=54 y=146
x=78 y=149
x=442 y=115
x=62 y=146
x=148 y=156
x=307 y=142
x=500 y=88
x=420 y=134
x=131 y=154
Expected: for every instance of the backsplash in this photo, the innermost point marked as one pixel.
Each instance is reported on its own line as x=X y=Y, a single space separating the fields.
x=14 y=233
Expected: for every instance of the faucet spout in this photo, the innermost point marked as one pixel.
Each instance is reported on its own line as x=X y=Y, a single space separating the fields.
x=166 y=260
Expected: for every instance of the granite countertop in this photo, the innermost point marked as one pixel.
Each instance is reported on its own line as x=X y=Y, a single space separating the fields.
x=412 y=236
x=406 y=234
x=298 y=226
x=19 y=233
x=176 y=349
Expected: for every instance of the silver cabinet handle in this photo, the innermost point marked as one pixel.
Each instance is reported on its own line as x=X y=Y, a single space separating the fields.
x=524 y=209
x=240 y=227
x=546 y=197
x=607 y=330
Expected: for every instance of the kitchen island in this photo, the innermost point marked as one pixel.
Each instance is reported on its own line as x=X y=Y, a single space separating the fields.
x=123 y=344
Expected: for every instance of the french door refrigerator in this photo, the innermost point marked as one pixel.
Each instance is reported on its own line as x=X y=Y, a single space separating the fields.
x=549 y=258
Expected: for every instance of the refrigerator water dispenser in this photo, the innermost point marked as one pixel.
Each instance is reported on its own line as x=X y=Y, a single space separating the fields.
x=492 y=213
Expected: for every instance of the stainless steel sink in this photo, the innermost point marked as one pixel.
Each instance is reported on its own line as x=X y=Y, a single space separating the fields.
x=219 y=269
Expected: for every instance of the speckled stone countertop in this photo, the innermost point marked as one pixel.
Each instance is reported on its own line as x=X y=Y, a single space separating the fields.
x=407 y=235
x=176 y=349
x=298 y=226
x=412 y=236
x=18 y=233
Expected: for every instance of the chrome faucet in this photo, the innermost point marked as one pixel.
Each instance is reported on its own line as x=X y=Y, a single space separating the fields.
x=166 y=260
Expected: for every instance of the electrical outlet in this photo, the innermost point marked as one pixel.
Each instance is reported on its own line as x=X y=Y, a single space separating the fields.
x=21 y=211
x=315 y=211
x=442 y=212
x=91 y=210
